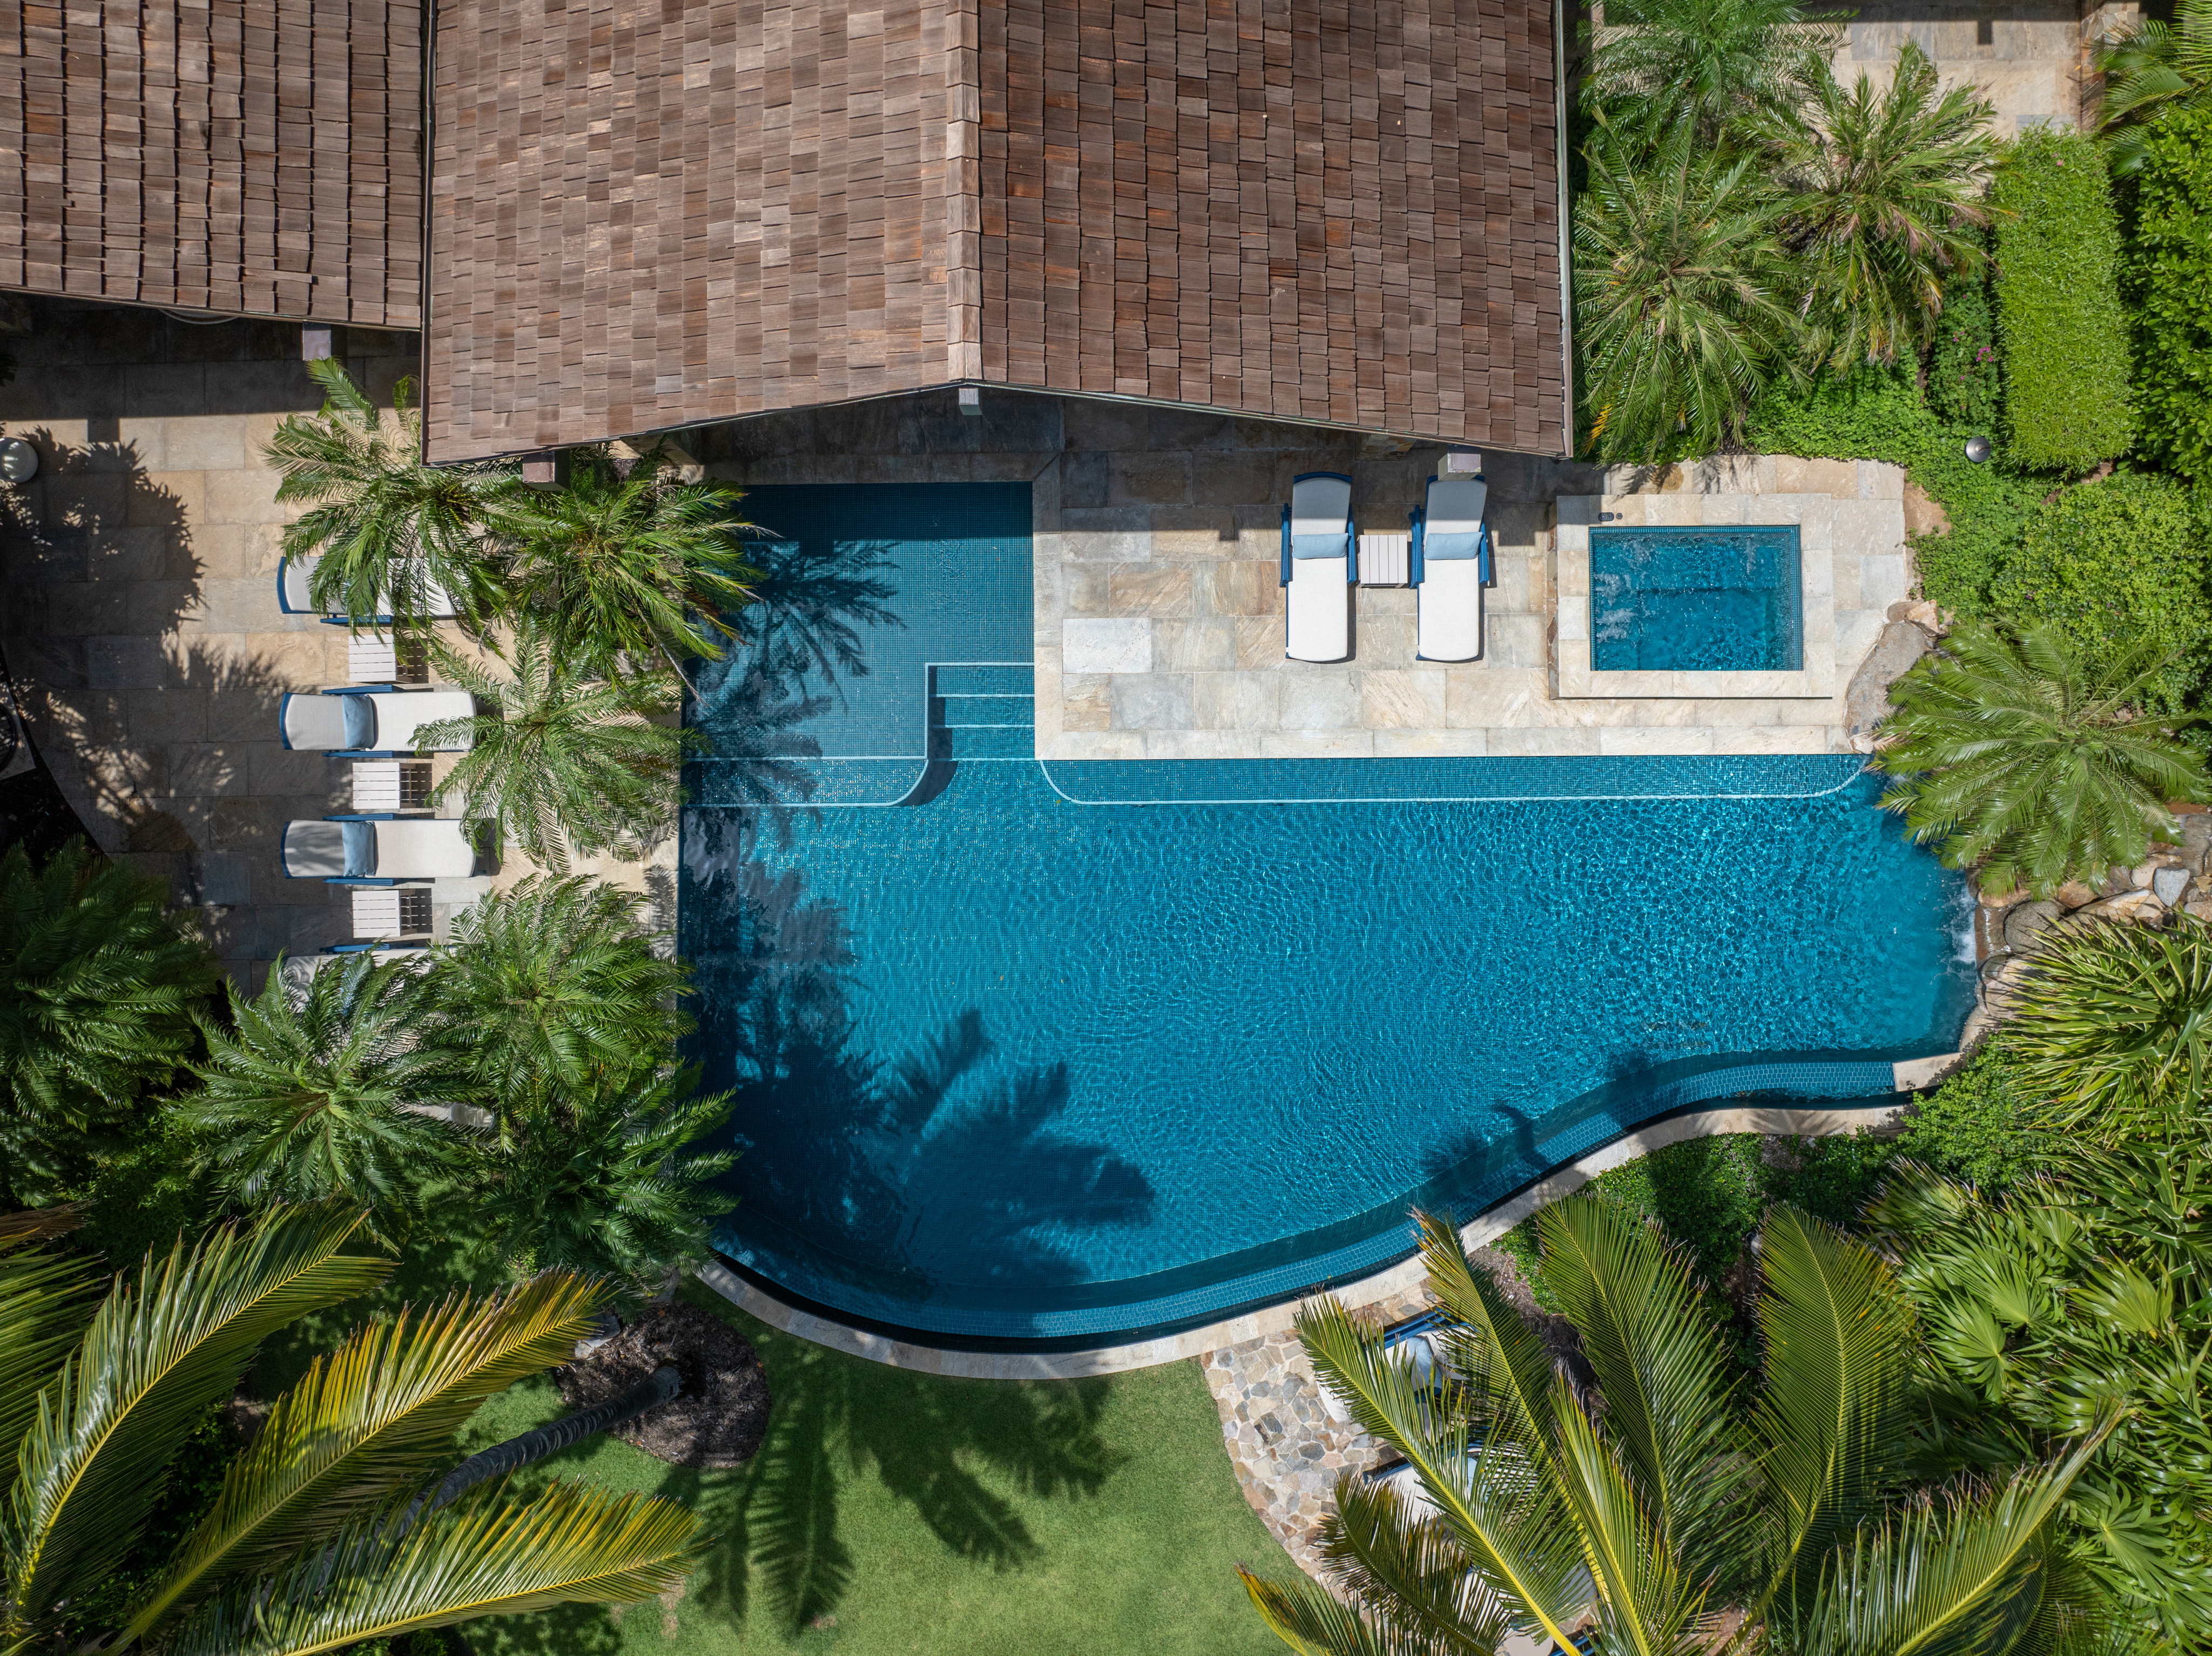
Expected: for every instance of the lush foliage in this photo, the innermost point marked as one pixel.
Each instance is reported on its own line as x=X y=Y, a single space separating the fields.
x=388 y=527
x=1966 y=375
x=2062 y=1303
x=305 y=1547
x=638 y=565
x=2118 y=562
x=1672 y=1505
x=2066 y=349
x=1713 y=65
x=1974 y=1127
x=2154 y=69
x=2112 y=1031
x=98 y=987
x=1884 y=207
x=2025 y=756
x=1682 y=297
x=566 y=758
x=325 y=1091
x=2166 y=274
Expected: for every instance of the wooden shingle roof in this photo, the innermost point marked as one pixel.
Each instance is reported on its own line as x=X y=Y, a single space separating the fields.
x=258 y=157
x=656 y=213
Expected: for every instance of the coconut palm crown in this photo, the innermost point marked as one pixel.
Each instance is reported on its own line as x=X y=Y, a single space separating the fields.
x=1715 y=66
x=1885 y=203
x=1658 y=1505
x=2030 y=757
x=388 y=527
x=568 y=759
x=309 y=1546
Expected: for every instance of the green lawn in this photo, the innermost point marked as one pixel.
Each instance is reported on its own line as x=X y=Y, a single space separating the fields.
x=894 y=1512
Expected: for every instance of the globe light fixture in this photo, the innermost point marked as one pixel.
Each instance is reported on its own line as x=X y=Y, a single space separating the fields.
x=1978 y=449
x=19 y=461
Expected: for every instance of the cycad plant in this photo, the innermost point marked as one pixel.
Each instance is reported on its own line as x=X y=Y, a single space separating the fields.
x=98 y=987
x=2069 y=1297
x=311 y=1545
x=1721 y=68
x=621 y=570
x=325 y=1091
x=554 y=983
x=602 y=1179
x=1884 y=206
x=2110 y=1032
x=1659 y=1504
x=568 y=759
x=1682 y=296
x=2030 y=758
x=2155 y=67
x=388 y=526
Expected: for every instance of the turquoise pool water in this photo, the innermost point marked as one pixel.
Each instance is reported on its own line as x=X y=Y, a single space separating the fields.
x=1696 y=600
x=1026 y=1059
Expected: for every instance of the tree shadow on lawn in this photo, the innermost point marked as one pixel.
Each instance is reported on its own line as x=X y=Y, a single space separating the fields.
x=778 y=1546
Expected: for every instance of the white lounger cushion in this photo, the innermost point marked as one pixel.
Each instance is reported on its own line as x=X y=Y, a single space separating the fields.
x=315 y=723
x=1450 y=601
x=1320 y=506
x=315 y=850
x=423 y=848
x=292 y=593
x=400 y=713
x=1455 y=506
x=1318 y=599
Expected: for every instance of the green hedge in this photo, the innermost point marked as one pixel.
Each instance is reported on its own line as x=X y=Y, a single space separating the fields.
x=2065 y=336
x=1965 y=370
x=2114 y=561
x=2168 y=276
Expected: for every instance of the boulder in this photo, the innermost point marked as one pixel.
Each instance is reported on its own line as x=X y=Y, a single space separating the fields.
x=2196 y=839
x=2074 y=894
x=2023 y=926
x=2168 y=884
x=2003 y=899
x=2138 y=906
x=2140 y=876
x=1866 y=703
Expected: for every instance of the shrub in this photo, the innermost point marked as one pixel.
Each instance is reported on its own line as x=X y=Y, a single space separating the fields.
x=1963 y=368
x=2058 y=303
x=1970 y=1127
x=2168 y=276
x=2114 y=562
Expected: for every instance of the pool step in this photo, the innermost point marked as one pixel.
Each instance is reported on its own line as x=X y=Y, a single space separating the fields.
x=983 y=741
x=988 y=711
x=800 y=782
x=987 y=678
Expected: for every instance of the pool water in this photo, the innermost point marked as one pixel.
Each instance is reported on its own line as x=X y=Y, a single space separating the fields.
x=1069 y=1053
x=1696 y=600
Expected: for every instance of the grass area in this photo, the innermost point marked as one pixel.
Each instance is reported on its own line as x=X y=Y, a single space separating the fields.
x=897 y=1512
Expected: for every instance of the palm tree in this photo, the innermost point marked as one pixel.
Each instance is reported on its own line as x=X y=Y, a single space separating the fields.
x=1661 y=1502
x=2030 y=757
x=388 y=525
x=325 y=1092
x=568 y=759
x=98 y=986
x=598 y=1180
x=1681 y=295
x=2155 y=67
x=1718 y=67
x=1885 y=206
x=2110 y=1034
x=554 y=983
x=637 y=565
x=306 y=1548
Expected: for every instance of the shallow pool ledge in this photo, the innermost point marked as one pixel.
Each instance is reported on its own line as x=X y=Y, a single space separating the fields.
x=1394 y=1282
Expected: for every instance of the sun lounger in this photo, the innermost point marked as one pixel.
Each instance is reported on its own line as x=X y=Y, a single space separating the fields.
x=1451 y=566
x=292 y=579
x=1318 y=567
x=364 y=721
x=385 y=849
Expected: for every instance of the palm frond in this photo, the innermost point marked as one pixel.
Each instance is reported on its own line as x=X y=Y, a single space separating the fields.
x=1408 y=1571
x=1834 y=1414
x=1647 y=1602
x=1309 y=1621
x=46 y=1301
x=161 y=1348
x=2153 y=66
x=366 y=1422
x=488 y=1555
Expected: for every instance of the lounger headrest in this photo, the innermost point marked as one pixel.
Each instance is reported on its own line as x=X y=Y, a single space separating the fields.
x=1444 y=548
x=1455 y=504
x=1330 y=545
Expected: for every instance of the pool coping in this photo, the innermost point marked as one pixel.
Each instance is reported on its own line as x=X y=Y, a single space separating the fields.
x=1395 y=1280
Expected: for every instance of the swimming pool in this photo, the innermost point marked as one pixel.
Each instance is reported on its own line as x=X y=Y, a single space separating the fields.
x=1069 y=1053
x=1696 y=600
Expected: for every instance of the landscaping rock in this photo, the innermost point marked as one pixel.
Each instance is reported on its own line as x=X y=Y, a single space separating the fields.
x=2002 y=898
x=2196 y=839
x=1923 y=515
x=2168 y=885
x=2073 y=894
x=2024 y=926
x=2138 y=906
x=720 y=1417
x=2139 y=877
x=1866 y=704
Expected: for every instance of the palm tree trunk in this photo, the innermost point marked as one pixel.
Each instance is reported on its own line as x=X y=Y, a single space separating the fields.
x=512 y=1456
